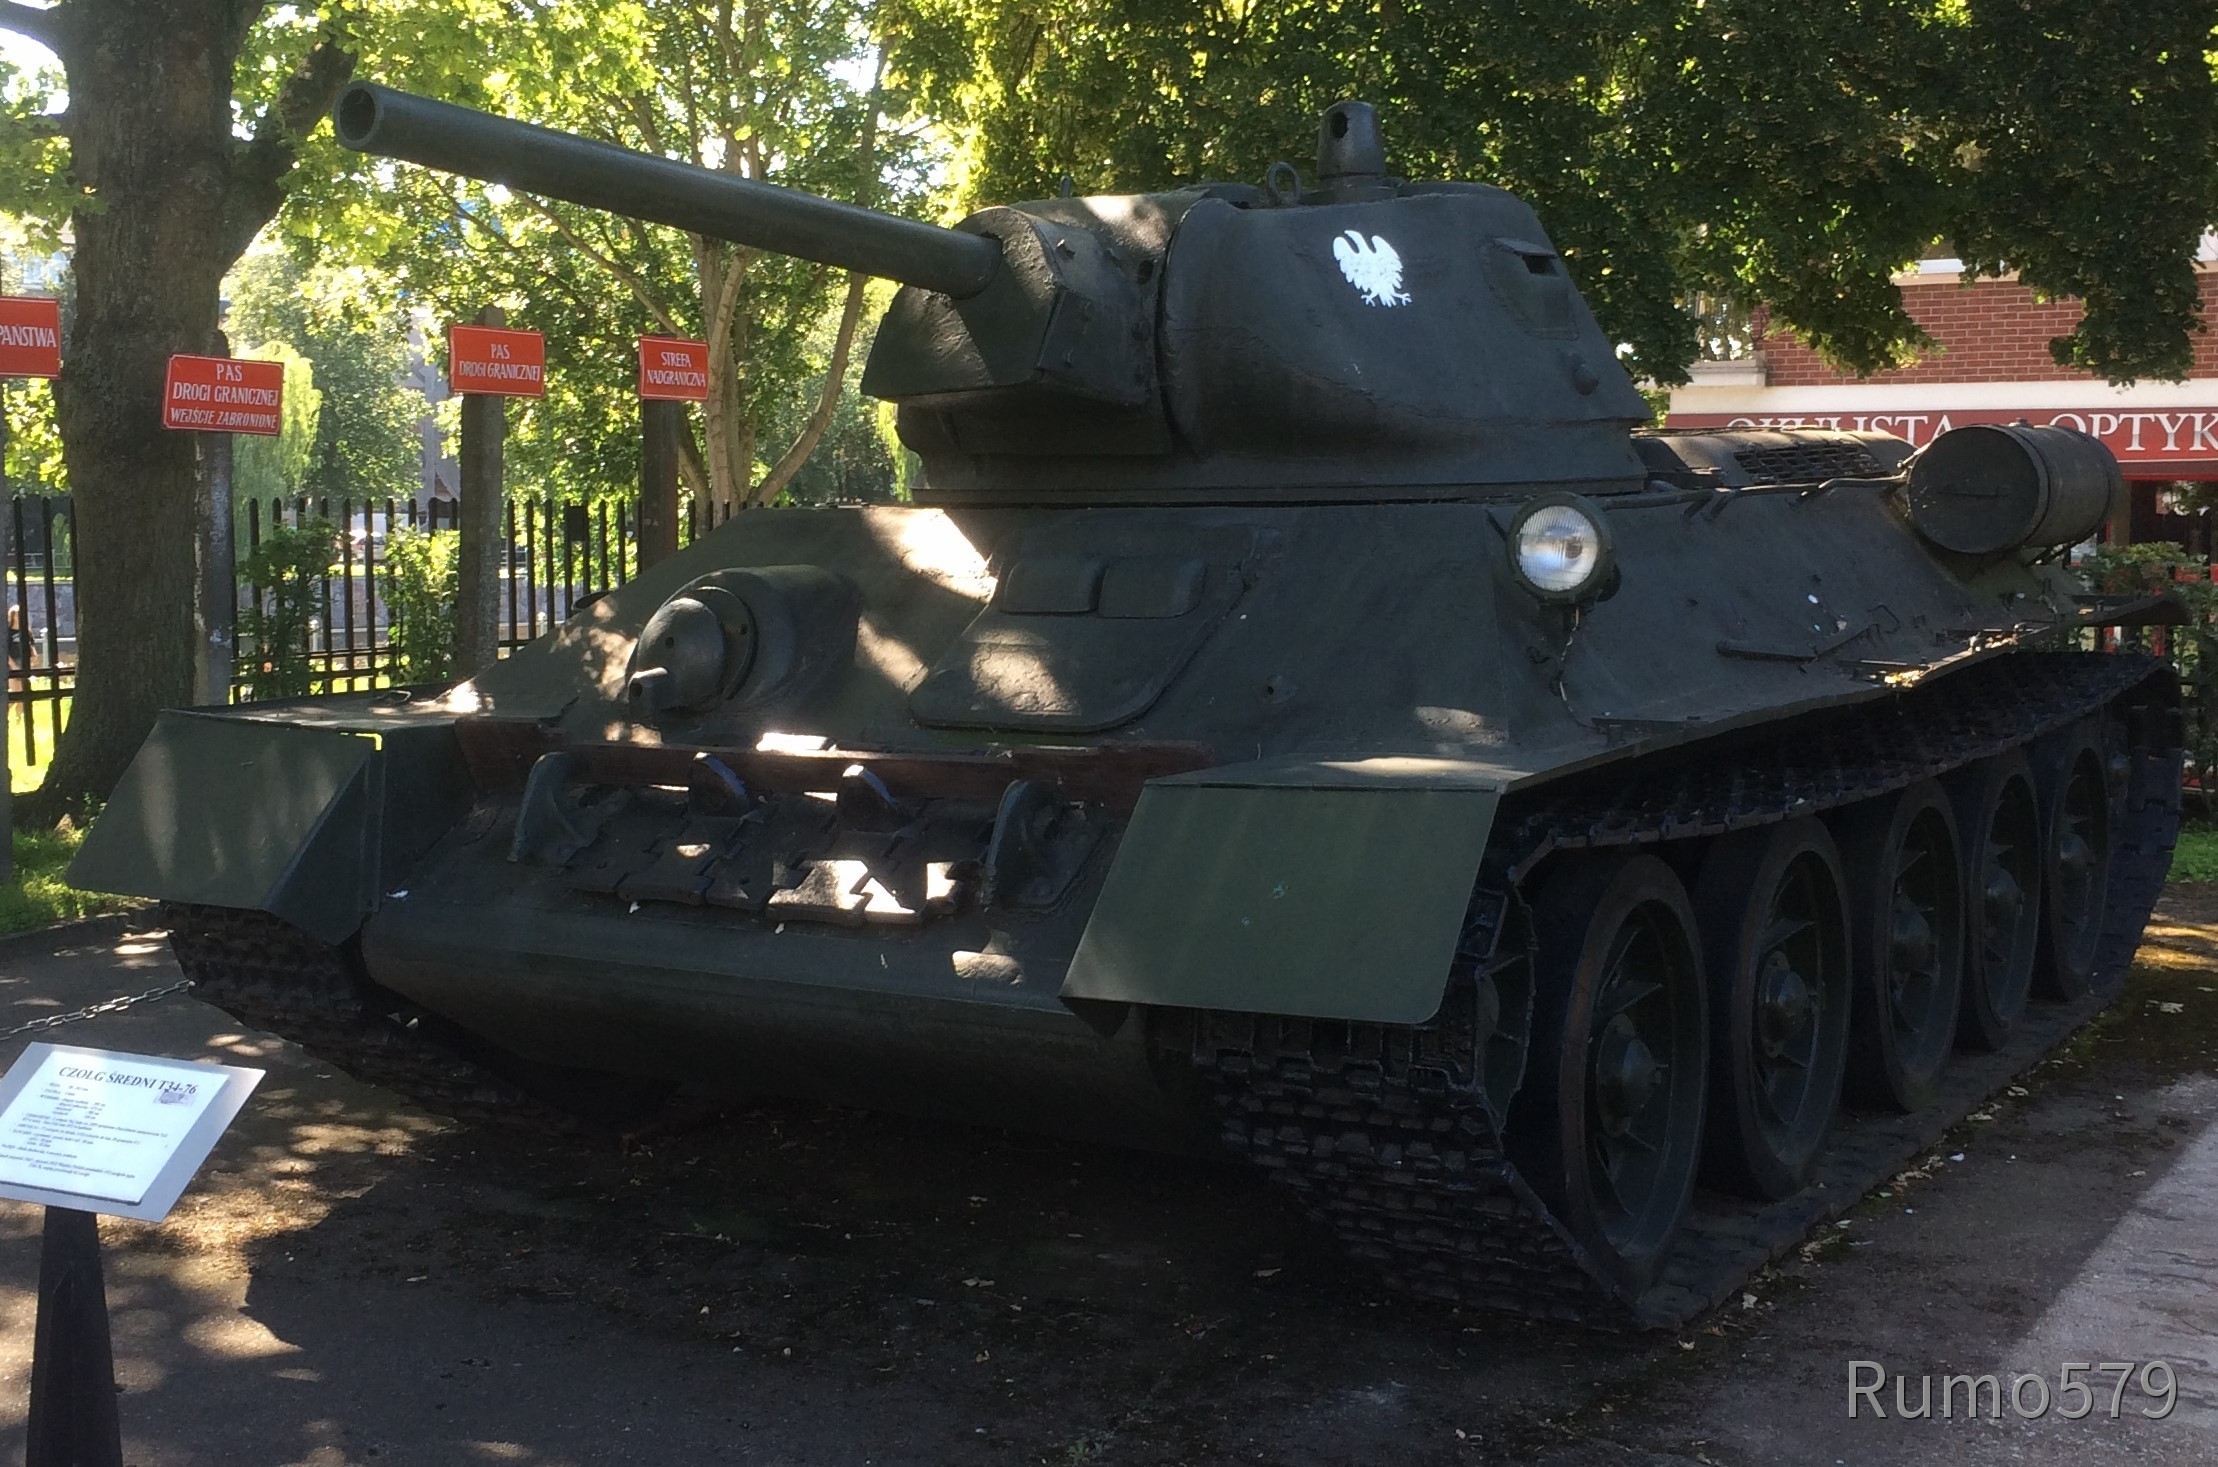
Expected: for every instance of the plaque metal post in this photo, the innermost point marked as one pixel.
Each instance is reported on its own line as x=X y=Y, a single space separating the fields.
x=73 y=1374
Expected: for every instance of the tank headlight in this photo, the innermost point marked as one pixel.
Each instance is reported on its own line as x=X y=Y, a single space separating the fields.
x=1559 y=546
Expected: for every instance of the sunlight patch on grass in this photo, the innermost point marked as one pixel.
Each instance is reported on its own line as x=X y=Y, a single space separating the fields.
x=28 y=758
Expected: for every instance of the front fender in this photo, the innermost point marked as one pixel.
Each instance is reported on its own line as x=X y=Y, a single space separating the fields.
x=287 y=810
x=1327 y=890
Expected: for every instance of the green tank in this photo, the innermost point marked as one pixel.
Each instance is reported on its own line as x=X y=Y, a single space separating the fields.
x=1303 y=712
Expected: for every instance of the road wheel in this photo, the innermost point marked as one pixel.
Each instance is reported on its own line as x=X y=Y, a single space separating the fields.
x=2075 y=860
x=1608 y=1124
x=1906 y=904
x=1774 y=916
x=1998 y=814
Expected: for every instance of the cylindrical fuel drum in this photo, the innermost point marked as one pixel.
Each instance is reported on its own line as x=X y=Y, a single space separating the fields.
x=1992 y=487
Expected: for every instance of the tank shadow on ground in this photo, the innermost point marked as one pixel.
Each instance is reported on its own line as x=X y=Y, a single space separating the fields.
x=1129 y=1307
x=810 y=1283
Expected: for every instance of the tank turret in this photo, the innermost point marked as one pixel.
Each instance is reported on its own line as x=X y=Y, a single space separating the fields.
x=1375 y=336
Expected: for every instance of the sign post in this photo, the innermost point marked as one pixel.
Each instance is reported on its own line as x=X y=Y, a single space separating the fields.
x=672 y=373
x=219 y=396
x=73 y=1370
x=84 y=1132
x=30 y=346
x=487 y=363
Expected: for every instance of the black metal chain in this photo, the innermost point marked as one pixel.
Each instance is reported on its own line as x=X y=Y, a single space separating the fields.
x=94 y=1011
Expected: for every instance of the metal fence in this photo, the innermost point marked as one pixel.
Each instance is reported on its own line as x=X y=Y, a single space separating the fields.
x=42 y=619
x=558 y=555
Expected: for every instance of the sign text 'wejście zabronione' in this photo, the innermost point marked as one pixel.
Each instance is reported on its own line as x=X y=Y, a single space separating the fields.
x=224 y=395
x=108 y=1132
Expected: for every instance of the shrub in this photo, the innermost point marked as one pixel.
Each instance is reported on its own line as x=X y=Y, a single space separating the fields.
x=418 y=587
x=2126 y=570
x=287 y=575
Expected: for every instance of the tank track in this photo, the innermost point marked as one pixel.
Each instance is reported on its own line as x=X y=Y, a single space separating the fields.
x=267 y=973
x=1407 y=1165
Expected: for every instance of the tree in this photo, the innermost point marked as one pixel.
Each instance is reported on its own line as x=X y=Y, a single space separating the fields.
x=1795 y=155
x=164 y=194
x=265 y=468
x=765 y=90
x=351 y=324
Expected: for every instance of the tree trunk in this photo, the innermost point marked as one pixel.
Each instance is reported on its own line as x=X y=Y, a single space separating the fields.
x=482 y=518
x=725 y=422
x=175 y=196
x=150 y=136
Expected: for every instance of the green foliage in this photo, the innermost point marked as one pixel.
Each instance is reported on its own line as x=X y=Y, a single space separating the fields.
x=2195 y=858
x=265 y=468
x=34 y=462
x=2155 y=566
x=2124 y=570
x=350 y=322
x=36 y=190
x=39 y=896
x=287 y=575
x=775 y=92
x=417 y=583
x=854 y=460
x=1795 y=155
x=1727 y=152
x=27 y=265
x=2085 y=149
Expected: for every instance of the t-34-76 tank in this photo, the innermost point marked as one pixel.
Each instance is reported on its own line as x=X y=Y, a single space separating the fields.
x=1300 y=706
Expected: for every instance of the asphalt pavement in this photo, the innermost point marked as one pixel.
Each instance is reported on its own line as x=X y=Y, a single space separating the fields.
x=353 y=1281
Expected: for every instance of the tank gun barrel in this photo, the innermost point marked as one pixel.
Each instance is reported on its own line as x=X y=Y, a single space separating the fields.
x=381 y=121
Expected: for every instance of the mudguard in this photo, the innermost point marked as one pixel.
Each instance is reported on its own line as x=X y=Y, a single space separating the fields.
x=1326 y=890
x=302 y=821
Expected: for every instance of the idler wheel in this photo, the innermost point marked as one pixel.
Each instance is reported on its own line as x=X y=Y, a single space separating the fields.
x=2074 y=781
x=1774 y=912
x=1998 y=814
x=1608 y=1124
x=1906 y=904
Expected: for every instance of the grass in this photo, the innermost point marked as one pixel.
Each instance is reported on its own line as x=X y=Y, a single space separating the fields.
x=38 y=896
x=27 y=760
x=2195 y=858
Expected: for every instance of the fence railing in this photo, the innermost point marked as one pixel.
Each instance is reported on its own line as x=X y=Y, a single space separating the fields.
x=42 y=618
x=557 y=556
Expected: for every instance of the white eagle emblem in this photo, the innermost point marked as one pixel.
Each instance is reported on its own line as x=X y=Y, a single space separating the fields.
x=1372 y=268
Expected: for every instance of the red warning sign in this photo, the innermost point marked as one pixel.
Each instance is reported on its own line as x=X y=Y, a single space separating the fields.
x=30 y=336
x=496 y=361
x=672 y=369
x=224 y=395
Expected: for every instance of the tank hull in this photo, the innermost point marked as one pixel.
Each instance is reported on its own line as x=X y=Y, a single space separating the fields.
x=819 y=1014
x=1338 y=1111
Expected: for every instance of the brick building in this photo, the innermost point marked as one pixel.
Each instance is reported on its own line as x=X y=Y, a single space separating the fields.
x=1992 y=365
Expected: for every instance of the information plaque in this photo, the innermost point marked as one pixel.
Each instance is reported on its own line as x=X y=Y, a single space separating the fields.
x=120 y=1134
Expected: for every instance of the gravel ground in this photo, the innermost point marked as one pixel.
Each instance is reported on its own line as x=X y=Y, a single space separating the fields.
x=355 y=1282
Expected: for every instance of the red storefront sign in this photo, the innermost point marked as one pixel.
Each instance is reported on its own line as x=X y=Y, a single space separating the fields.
x=30 y=336
x=496 y=361
x=2151 y=443
x=672 y=369
x=224 y=395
